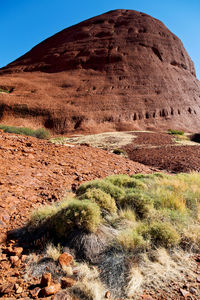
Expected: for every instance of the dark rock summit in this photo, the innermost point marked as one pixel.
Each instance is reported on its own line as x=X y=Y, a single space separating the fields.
x=121 y=70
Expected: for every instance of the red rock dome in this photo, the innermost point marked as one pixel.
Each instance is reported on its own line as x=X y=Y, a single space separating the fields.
x=121 y=70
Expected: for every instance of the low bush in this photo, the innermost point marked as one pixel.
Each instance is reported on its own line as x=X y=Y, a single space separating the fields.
x=40 y=133
x=155 y=209
x=127 y=214
x=104 y=200
x=163 y=234
x=175 y=132
x=4 y=91
x=42 y=214
x=139 y=202
x=119 y=152
x=114 y=191
x=79 y=214
x=125 y=181
x=130 y=240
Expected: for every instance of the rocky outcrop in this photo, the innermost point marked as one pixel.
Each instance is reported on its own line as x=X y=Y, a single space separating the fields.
x=118 y=71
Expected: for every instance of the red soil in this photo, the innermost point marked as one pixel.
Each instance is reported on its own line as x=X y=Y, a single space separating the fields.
x=35 y=172
x=160 y=151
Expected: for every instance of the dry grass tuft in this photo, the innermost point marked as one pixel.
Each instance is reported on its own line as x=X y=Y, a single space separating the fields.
x=53 y=251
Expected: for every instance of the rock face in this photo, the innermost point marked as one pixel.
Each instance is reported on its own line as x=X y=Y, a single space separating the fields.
x=118 y=71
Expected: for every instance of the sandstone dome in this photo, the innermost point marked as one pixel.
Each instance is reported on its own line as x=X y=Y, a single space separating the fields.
x=122 y=70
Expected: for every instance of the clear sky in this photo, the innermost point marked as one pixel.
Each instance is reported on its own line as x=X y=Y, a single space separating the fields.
x=25 y=23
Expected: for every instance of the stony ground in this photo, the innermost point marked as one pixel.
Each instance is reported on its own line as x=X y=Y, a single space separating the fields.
x=160 y=150
x=34 y=172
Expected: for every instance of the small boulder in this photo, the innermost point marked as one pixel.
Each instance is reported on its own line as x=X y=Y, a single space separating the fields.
x=45 y=280
x=35 y=292
x=51 y=290
x=14 y=260
x=184 y=293
x=193 y=290
x=19 y=290
x=65 y=259
x=107 y=295
x=62 y=295
x=17 y=251
x=67 y=282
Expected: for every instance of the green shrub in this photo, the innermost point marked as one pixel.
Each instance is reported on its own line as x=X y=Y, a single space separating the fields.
x=4 y=91
x=125 y=181
x=119 y=152
x=103 y=199
x=139 y=202
x=163 y=234
x=130 y=240
x=149 y=176
x=107 y=187
x=40 y=133
x=127 y=214
x=42 y=214
x=156 y=208
x=175 y=132
x=84 y=215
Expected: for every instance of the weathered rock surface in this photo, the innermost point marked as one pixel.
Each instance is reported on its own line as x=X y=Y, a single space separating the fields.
x=120 y=70
x=65 y=260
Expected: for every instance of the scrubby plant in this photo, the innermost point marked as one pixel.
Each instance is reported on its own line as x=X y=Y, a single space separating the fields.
x=163 y=234
x=4 y=91
x=150 y=222
x=127 y=214
x=157 y=209
x=42 y=214
x=40 y=133
x=130 y=240
x=104 y=200
x=119 y=152
x=79 y=214
x=116 y=192
x=175 y=132
x=139 y=202
x=149 y=176
x=125 y=181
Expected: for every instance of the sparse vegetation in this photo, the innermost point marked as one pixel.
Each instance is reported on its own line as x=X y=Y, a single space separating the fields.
x=53 y=251
x=119 y=217
x=130 y=240
x=39 y=133
x=4 y=91
x=119 y=152
x=104 y=200
x=114 y=191
x=159 y=208
x=79 y=214
x=175 y=132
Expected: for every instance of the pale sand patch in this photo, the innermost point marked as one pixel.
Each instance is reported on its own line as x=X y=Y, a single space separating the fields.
x=109 y=140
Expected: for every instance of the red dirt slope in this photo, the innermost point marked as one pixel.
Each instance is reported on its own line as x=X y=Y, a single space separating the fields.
x=160 y=151
x=34 y=172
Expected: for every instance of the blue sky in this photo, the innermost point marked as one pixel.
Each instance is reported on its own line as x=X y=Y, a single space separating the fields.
x=25 y=23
